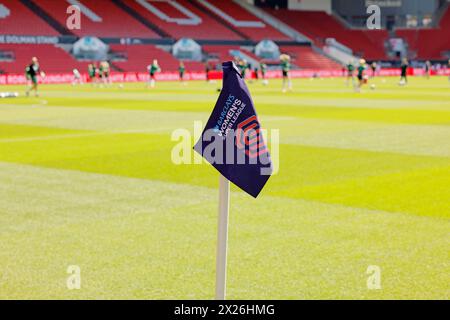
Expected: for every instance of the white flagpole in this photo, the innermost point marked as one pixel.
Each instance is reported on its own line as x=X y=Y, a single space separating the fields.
x=222 y=238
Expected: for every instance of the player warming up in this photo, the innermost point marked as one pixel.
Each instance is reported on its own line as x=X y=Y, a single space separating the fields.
x=362 y=79
x=374 y=66
x=92 y=72
x=152 y=70
x=428 y=69
x=32 y=71
x=263 y=67
x=181 y=72
x=350 y=73
x=76 y=77
x=285 y=61
x=243 y=67
x=104 y=70
x=403 y=72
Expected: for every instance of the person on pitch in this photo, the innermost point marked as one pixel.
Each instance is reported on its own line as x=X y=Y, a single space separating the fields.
x=373 y=66
x=243 y=66
x=104 y=72
x=152 y=70
x=285 y=61
x=92 y=70
x=263 y=67
x=32 y=71
x=350 y=73
x=207 y=70
x=404 y=72
x=256 y=72
x=76 y=77
x=362 y=79
x=427 y=69
x=181 y=71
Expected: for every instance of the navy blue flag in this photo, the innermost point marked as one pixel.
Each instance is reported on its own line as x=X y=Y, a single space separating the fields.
x=232 y=140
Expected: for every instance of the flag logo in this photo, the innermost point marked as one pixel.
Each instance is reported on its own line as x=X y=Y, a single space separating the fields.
x=250 y=139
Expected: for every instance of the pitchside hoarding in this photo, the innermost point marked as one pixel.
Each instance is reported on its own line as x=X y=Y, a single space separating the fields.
x=129 y=77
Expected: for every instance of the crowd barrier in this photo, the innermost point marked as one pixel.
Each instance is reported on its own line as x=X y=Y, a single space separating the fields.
x=127 y=77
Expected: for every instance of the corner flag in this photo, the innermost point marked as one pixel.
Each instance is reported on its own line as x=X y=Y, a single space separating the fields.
x=233 y=143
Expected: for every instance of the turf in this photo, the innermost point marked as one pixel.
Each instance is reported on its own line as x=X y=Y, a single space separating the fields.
x=86 y=179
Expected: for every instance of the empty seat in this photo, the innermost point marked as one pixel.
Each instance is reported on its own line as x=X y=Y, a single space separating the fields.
x=140 y=56
x=429 y=43
x=181 y=19
x=306 y=58
x=318 y=25
x=99 y=18
x=51 y=58
x=243 y=20
x=17 y=19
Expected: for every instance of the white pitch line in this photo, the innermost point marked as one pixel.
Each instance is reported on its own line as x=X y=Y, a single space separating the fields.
x=80 y=135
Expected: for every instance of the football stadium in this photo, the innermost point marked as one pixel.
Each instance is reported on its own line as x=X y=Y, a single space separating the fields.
x=104 y=193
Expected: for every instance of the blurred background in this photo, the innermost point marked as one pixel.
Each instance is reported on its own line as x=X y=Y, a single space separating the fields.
x=317 y=34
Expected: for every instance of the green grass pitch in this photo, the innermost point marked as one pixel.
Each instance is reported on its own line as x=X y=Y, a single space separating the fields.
x=86 y=179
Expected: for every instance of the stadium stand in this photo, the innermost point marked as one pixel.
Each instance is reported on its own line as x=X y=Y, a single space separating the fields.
x=178 y=24
x=17 y=19
x=219 y=26
x=306 y=58
x=318 y=25
x=100 y=18
x=51 y=58
x=140 y=56
x=303 y=56
x=249 y=53
x=429 y=43
x=219 y=52
x=57 y=60
x=241 y=20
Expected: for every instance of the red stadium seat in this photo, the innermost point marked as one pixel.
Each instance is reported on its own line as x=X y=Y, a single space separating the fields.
x=223 y=53
x=51 y=58
x=220 y=52
x=318 y=25
x=17 y=19
x=429 y=43
x=207 y=28
x=240 y=14
x=54 y=59
x=140 y=56
x=302 y=56
x=306 y=58
x=106 y=20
